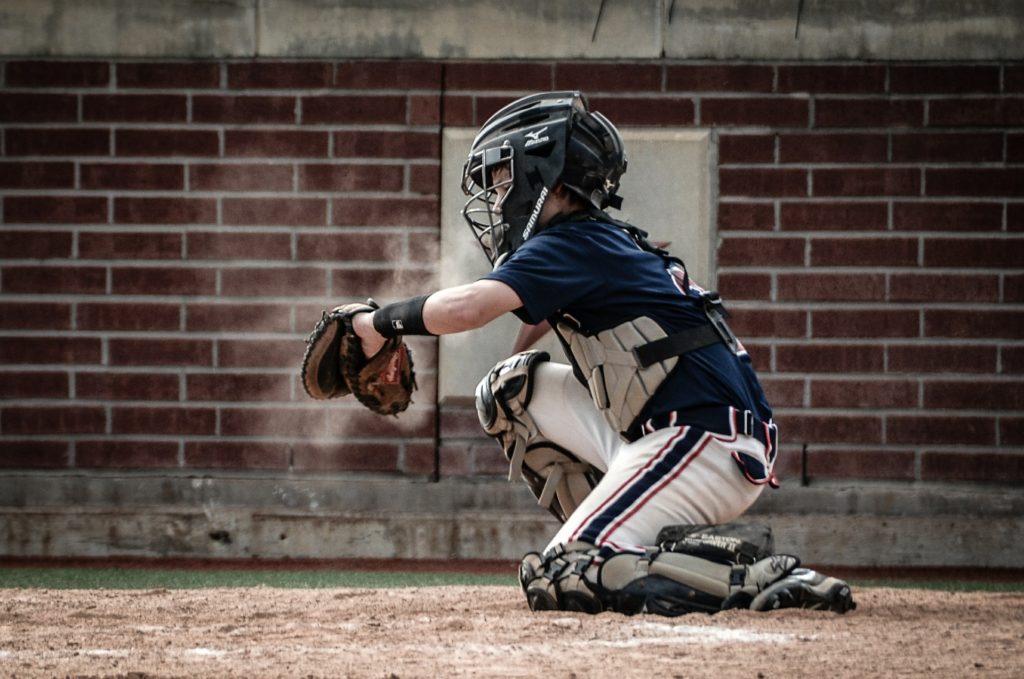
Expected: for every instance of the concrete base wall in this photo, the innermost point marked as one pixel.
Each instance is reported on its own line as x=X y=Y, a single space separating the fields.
x=325 y=518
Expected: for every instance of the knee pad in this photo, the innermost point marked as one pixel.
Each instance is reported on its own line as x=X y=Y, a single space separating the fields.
x=556 y=477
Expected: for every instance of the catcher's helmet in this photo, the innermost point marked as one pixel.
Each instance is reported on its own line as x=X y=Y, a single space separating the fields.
x=540 y=140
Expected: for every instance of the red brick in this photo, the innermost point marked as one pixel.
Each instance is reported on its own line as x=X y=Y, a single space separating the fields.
x=1013 y=288
x=165 y=211
x=1013 y=79
x=484 y=75
x=861 y=464
x=864 y=252
x=719 y=78
x=57 y=74
x=924 y=287
x=83 y=280
x=868 y=113
x=833 y=148
x=133 y=177
x=57 y=142
x=945 y=429
x=770 y=112
x=24 y=350
x=303 y=423
x=386 y=212
x=921 y=79
x=167 y=421
x=135 y=108
x=783 y=392
x=866 y=323
x=947 y=216
x=938 y=358
x=829 y=358
x=240 y=455
x=424 y=248
x=31 y=385
x=745 y=286
x=746 y=148
x=118 y=245
x=119 y=454
x=831 y=287
x=882 y=181
x=418 y=460
x=176 y=143
x=833 y=216
x=974 y=323
x=639 y=111
x=746 y=216
x=160 y=352
x=35 y=316
x=243 y=110
x=762 y=182
x=424 y=109
x=413 y=423
x=859 y=79
x=974 y=394
x=33 y=175
x=974 y=252
x=947 y=148
x=164 y=281
x=962 y=467
x=847 y=429
x=977 y=112
x=237 y=318
x=386 y=282
x=768 y=323
x=860 y=393
x=189 y=75
x=361 y=109
x=71 y=419
x=761 y=252
x=596 y=76
x=34 y=454
x=275 y=211
x=975 y=181
x=258 y=282
x=1015 y=148
x=239 y=246
x=273 y=75
x=351 y=177
x=55 y=210
x=1015 y=216
x=403 y=75
x=370 y=144
x=240 y=177
x=146 y=386
x=128 y=317
x=223 y=386
x=256 y=353
x=34 y=244
x=456 y=110
x=275 y=144
x=425 y=179
x=19 y=107
x=361 y=457
x=338 y=247
x=1011 y=431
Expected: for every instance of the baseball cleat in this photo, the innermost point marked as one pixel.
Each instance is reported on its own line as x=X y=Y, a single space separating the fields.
x=804 y=588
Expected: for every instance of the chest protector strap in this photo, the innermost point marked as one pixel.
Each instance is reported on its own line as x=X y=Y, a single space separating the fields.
x=620 y=384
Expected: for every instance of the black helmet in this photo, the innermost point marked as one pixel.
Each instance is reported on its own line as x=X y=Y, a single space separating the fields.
x=541 y=140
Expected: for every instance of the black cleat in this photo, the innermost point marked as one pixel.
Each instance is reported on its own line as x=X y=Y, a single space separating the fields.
x=804 y=588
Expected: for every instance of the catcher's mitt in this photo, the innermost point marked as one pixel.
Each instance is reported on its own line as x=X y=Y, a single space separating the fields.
x=334 y=364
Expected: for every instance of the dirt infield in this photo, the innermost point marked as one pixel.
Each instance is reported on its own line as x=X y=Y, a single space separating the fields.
x=487 y=632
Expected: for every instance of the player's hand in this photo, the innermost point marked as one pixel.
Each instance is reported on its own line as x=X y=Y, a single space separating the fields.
x=371 y=340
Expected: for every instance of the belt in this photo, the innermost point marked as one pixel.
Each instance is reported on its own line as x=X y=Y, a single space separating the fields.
x=720 y=420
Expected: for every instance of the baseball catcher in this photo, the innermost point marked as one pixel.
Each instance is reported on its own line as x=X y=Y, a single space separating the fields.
x=657 y=436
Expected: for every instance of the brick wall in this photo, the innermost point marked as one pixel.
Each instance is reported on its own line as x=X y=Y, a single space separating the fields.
x=171 y=231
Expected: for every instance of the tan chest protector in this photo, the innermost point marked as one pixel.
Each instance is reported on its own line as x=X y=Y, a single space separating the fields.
x=618 y=382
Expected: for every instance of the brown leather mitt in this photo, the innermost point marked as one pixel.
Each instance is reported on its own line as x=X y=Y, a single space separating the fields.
x=334 y=364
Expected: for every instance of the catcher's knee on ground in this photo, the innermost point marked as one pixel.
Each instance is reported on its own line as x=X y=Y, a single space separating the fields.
x=580 y=577
x=556 y=477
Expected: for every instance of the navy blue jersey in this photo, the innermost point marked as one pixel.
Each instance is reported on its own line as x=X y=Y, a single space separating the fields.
x=596 y=273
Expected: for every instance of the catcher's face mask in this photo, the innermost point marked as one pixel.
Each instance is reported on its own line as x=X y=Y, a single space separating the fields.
x=488 y=179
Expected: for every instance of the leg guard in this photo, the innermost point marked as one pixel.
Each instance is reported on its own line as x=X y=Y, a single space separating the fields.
x=556 y=477
x=558 y=581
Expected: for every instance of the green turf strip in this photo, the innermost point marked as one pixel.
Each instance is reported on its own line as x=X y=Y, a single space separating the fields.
x=144 y=578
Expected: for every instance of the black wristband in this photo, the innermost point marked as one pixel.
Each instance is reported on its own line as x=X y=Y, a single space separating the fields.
x=401 y=318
